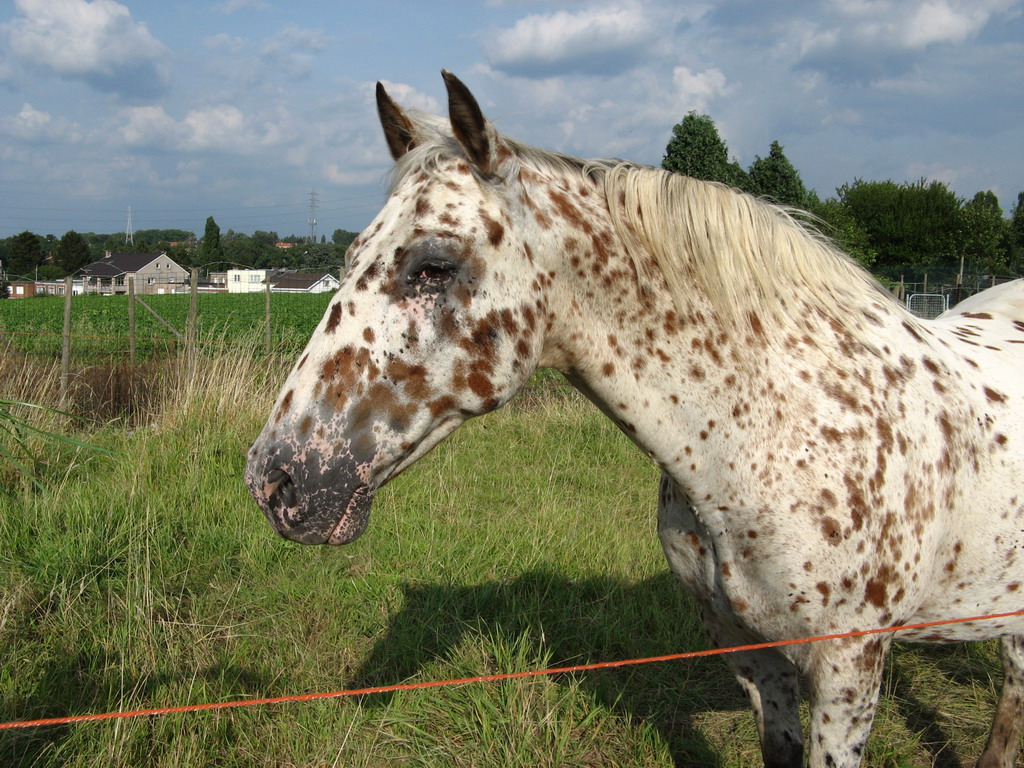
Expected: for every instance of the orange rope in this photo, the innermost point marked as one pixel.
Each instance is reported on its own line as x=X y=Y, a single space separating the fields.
x=490 y=678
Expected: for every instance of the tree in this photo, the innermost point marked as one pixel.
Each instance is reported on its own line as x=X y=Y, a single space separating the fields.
x=982 y=234
x=26 y=255
x=210 y=251
x=837 y=223
x=1015 y=236
x=73 y=252
x=267 y=238
x=912 y=227
x=775 y=177
x=245 y=251
x=697 y=150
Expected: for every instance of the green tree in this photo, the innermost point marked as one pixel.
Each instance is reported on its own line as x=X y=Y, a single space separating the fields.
x=246 y=251
x=775 y=178
x=26 y=255
x=73 y=252
x=316 y=257
x=343 y=238
x=911 y=227
x=1015 y=237
x=982 y=234
x=267 y=238
x=210 y=250
x=697 y=150
x=836 y=222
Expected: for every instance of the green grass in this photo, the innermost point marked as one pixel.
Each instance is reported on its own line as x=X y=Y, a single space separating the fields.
x=148 y=578
x=99 y=326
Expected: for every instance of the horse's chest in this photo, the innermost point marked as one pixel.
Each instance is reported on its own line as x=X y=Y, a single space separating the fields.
x=709 y=562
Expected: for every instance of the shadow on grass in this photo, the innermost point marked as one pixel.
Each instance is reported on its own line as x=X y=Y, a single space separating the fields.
x=579 y=622
x=85 y=683
x=959 y=665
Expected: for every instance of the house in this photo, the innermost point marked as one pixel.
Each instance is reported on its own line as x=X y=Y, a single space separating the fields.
x=23 y=289
x=246 y=280
x=281 y=281
x=304 y=282
x=152 y=273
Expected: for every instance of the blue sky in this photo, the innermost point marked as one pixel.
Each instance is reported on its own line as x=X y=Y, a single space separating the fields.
x=239 y=109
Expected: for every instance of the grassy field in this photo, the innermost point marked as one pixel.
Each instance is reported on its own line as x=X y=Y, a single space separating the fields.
x=99 y=324
x=148 y=578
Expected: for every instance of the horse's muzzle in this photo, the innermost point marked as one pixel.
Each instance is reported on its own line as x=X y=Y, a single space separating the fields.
x=309 y=498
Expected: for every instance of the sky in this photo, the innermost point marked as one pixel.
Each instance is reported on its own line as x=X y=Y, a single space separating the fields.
x=246 y=110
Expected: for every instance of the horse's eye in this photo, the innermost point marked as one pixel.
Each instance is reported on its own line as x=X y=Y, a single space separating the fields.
x=433 y=274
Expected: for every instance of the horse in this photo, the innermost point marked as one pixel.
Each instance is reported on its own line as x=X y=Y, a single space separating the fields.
x=829 y=462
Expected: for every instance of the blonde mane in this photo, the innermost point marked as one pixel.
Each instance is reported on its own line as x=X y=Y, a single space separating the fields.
x=744 y=254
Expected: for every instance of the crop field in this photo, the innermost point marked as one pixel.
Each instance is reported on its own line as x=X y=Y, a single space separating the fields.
x=146 y=577
x=99 y=326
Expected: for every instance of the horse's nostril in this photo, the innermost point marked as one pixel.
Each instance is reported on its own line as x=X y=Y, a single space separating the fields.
x=286 y=492
x=282 y=486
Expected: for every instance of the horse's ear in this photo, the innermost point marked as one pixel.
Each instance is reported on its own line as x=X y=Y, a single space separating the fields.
x=477 y=136
x=399 y=129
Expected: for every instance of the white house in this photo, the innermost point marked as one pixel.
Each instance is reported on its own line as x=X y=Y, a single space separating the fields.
x=247 y=280
x=304 y=282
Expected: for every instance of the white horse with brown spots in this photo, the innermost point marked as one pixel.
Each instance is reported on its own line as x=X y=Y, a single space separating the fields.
x=831 y=463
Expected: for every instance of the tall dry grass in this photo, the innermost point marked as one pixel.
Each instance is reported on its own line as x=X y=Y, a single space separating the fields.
x=148 y=578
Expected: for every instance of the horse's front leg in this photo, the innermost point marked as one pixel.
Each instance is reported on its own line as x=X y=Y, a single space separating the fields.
x=769 y=679
x=772 y=684
x=1004 y=739
x=844 y=680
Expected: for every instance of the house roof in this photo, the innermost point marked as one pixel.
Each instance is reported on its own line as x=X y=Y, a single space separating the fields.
x=300 y=281
x=122 y=263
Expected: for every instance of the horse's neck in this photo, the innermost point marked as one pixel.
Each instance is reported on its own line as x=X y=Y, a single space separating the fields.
x=689 y=387
x=667 y=375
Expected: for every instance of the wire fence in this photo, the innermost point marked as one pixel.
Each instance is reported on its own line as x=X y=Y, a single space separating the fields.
x=493 y=678
x=128 y=327
x=123 y=327
x=929 y=294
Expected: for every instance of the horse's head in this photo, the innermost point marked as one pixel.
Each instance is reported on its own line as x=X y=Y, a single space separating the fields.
x=440 y=317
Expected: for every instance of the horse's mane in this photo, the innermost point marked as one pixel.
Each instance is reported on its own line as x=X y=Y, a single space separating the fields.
x=746 y=254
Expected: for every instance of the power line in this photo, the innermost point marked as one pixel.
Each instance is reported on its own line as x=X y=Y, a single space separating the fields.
x=312 y=216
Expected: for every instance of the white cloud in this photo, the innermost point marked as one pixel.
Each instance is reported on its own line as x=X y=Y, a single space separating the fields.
x=409 y=97
x=95 y=42
x=884 y=28
x=292 y=49
x=220 y=128
x=149 y=127
x=32 y=121
x=233 y=6
x=596 y=40
x=697 y=89
x=36 y=126
x=933 y=172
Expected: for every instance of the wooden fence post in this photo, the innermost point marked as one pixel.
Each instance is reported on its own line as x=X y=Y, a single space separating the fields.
x=131 y=321
x=190 y=328
x=266 y=320
x=65 y=352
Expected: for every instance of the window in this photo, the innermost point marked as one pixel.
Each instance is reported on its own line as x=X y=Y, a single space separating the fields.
x=254 y=278
x=237 y=278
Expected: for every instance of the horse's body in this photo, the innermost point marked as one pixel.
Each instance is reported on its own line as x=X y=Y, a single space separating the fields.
x=830 y=462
